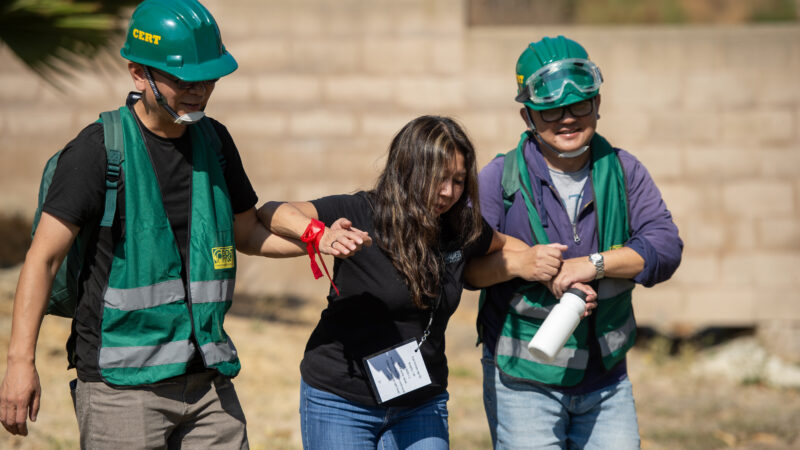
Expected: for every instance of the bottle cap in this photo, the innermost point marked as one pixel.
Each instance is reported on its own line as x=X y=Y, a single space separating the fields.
x=577 y=292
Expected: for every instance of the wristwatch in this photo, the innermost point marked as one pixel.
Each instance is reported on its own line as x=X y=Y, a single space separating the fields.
x=599 y=265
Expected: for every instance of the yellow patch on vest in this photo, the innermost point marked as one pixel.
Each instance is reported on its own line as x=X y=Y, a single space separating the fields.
x=146 y=37
x=223 y=257
x=614 y=247
x=520 y=79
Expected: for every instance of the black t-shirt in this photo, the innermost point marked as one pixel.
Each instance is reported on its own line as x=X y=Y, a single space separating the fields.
x=375 y=312
x=77 y=195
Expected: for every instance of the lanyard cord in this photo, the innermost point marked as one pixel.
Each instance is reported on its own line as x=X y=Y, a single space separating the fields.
x=427 y=331
x=437 y=302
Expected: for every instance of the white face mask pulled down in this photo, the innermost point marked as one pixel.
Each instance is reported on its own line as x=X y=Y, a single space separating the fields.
x=188 y=118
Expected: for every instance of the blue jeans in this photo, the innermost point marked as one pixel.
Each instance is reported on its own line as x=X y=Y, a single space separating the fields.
x=526 y=416
x=330 y=422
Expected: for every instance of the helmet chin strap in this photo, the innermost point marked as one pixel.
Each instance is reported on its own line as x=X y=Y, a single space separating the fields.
x=559 y=154
x=186 y=119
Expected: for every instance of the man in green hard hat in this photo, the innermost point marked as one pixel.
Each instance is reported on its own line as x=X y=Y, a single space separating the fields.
x=160 y=190
x=591 y=214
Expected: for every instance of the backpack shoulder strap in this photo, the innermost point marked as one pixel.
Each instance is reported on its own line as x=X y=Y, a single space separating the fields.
x=510 y=179
x=114 y=143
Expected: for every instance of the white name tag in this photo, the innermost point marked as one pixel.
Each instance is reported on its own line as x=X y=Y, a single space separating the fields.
x=397 y=371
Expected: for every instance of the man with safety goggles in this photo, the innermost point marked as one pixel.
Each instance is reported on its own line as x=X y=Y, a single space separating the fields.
x=592 y=215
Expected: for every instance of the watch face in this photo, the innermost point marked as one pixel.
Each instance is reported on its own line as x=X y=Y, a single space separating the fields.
x=597 y=260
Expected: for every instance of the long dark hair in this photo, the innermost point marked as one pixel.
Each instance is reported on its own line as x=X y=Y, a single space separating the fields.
x=406 y=226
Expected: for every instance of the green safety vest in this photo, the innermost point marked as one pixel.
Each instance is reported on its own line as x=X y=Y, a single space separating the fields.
x=149 y=317
x=615 y=327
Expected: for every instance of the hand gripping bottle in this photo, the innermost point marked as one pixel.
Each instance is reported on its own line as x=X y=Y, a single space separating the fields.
x=558 y=325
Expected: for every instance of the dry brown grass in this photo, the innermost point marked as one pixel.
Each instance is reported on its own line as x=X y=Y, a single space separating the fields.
x=16 y=238
x=676 y=410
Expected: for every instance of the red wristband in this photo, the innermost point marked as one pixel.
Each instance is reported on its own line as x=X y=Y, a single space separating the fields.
x=311 y=237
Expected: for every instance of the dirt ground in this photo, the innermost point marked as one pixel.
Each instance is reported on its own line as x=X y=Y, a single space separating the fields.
x=677 y=408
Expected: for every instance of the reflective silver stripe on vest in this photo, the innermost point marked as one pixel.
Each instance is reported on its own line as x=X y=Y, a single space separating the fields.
x=616 y=339
x=212 y=291
x=217 y=352
x=524 y=308
x=146 y=356
x=569 y=358
x=144 y=297
x=611 y=287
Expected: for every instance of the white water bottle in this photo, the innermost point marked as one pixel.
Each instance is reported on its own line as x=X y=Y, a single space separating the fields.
x=558 y=326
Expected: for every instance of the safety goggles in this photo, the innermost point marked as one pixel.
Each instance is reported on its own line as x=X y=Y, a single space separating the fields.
x=547 y=84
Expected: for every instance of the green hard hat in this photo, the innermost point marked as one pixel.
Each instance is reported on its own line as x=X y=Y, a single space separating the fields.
x=179 y=37
x=555 y=72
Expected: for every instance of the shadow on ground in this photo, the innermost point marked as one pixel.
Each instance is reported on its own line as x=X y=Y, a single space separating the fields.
x=284 y=309
x=673 y=344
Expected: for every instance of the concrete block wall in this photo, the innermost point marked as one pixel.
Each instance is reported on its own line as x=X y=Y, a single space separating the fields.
x=713 y=112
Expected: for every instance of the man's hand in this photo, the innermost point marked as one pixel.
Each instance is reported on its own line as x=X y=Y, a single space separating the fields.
x=343 y=240
x=538 y=263
x=591 y=297
x=19 y=397
x=573 y=270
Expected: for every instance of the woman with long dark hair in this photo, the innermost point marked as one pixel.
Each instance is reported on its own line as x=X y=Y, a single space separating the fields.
x=374 y=372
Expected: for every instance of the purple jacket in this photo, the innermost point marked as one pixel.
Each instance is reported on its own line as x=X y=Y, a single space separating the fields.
x=654 y=236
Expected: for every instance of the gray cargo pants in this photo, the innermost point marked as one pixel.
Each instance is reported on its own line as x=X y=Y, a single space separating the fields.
x=194 y=411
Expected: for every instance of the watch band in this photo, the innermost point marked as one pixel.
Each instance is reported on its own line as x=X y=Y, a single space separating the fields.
x=599 y=265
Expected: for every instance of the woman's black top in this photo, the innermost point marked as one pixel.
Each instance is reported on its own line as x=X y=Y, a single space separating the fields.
x=375 y=312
